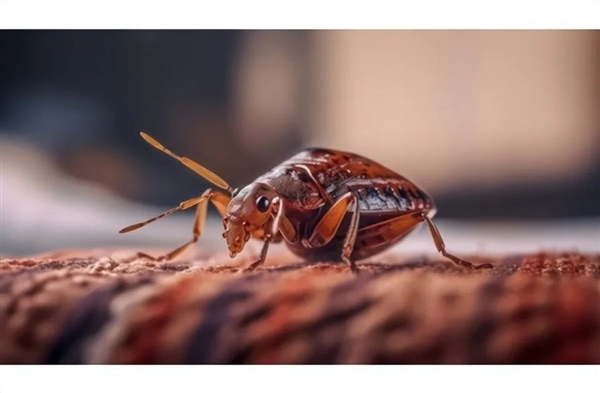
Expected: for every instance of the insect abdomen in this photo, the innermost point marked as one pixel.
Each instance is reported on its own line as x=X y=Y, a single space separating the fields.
x=388 y=197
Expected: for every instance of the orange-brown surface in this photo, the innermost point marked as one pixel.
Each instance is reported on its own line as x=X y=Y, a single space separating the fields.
x=106 y=306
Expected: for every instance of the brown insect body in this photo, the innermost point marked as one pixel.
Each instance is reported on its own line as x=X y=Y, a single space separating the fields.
x=311 y=182
x=326 y=205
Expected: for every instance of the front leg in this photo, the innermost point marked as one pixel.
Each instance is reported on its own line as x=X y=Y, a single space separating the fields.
x=275 y=231
x=263 y=254
x=218 y=199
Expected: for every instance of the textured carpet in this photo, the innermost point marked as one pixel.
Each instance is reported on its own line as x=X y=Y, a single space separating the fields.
x=87 y=307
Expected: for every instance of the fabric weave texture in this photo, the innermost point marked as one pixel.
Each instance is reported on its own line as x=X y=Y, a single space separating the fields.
x=109 y=307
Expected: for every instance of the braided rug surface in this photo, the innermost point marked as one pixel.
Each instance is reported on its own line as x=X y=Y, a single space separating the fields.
x=106 y=306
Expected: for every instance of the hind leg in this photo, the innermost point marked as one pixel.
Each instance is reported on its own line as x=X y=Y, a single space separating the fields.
x=374 y=238
x=441 y=247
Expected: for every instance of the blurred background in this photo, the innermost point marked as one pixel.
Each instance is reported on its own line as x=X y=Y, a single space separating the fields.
x=501 y=127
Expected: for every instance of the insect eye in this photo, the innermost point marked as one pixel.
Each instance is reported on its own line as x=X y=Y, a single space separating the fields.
x=235 y=192
x=262 y=204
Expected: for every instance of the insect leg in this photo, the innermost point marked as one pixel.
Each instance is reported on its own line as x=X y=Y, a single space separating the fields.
x=441 y=247
x=350 y=238
x=329 y=225
x=326 y=229
x=283 y=226
x=268 y=237
x=263 y=254
x=218 y=199
x=198 y=224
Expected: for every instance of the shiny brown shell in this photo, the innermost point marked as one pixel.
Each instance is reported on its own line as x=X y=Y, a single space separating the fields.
x=311 y=181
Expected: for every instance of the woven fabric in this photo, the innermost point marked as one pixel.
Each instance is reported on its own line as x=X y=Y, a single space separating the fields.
x=85 y=307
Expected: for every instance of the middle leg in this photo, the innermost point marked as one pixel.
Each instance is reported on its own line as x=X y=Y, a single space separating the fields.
x=326 y=229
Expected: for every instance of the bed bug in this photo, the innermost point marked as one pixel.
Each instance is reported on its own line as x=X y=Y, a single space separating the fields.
x=325 y=204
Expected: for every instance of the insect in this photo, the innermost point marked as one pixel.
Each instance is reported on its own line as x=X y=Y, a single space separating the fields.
x=326 y=205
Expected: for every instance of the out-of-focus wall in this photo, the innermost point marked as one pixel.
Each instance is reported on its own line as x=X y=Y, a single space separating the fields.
x=269 y=90
x=454 y=108
x=495 y=124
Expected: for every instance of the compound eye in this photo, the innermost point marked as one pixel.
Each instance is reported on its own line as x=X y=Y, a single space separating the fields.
x=262 y=204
